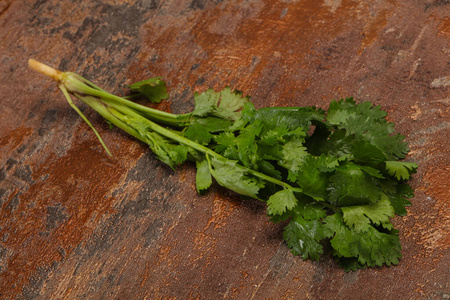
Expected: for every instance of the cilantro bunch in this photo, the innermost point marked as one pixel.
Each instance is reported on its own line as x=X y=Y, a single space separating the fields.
x=333 y=177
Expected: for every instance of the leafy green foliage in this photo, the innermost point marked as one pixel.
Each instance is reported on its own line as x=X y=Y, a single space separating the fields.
x=234 y=177
x=401 y=170
x=399 y=199
x=362 y=217
x=170 y=153
x=367 y=123
x=370 y=247
x=203 y=178
x=302 y=236
x=226 y=104
x=333 y=177
x=350 y=185
x=281 y=201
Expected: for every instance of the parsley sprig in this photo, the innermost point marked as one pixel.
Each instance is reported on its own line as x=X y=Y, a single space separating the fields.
x=333 y=177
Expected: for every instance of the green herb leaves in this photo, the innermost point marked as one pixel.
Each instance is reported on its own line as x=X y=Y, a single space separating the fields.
x=340 y=183
x=281 y=201
x=154 y=89
x=332 y=177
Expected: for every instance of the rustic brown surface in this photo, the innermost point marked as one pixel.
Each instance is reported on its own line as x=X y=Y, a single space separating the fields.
x=77 y=224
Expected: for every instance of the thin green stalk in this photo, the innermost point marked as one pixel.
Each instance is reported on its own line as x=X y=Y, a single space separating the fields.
x=77 y=84
x=108 y=114
x=152 y=126
x=129 y=116
x=66 y=94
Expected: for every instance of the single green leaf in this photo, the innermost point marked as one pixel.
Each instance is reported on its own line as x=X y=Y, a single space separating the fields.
x=200 y=129
x=361 y=217
x=231 y=104
x=328 y=163
x=339 y=111
x=372 y=172
x=366 y=153
x=225 y=141
x=281 y=201
x=275 y=136
x=306 y=207
x=312 y=180
x=398 y=199
x=302 y=237
x=225 y=104
x=154 y=89
x=247 y=146
x=206 y=102
x=336 y=144
x=309 y=209
x=401 y=170
x=203 y=177
x=232 y=176
x=289 y=117
x=294 y=154
x=351 y=186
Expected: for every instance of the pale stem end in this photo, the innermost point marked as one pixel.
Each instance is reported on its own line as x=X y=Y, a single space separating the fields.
x=46 y=70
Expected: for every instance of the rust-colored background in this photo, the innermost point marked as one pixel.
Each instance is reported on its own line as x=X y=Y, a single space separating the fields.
x=76 y=224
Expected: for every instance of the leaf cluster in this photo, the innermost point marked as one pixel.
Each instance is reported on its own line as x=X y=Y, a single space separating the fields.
x=332 y=177
x=337 y=177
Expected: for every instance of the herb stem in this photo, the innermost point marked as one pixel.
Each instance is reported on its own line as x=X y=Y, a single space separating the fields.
x=133 y=119
x=77 y=84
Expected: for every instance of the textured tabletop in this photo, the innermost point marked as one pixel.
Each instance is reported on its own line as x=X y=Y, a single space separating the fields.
x=77 y=224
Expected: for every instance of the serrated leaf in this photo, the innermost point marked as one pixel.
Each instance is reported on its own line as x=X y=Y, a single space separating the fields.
x=311 y=180
x=367 y=123
x=371 y=247
x=225 y=104
x=367 y=153
x=309 y=209
x=230 y=175
x=281 y=201
x=231 y=102
x=154 y=89
x=203 y=177
x=351 y=186
x=294 y=154
x=247 y=146
x=401 y=170
x=339 y=111
x=398 y=199
x=289 y=117
x=302 y=237
x=224 y=141
x=205 y=102
x=328 y=163
x=306 y=207
x=274 y=136
x=200 y=129
x=361 y=217
x=372 y=172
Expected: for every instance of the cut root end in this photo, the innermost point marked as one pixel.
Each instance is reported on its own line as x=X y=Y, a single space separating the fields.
x=44 y=69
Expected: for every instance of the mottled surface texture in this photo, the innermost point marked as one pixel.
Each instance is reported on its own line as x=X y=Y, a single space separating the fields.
x=76 y=224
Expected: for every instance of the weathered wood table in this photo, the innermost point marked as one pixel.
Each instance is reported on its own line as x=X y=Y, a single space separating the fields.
x=76 y=224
